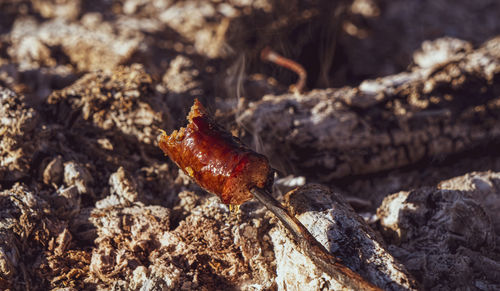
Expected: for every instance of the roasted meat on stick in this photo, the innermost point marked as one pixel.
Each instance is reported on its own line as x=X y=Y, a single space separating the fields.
x=222 y=165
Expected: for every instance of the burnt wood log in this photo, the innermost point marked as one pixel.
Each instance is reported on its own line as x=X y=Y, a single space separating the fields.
x=448 y=104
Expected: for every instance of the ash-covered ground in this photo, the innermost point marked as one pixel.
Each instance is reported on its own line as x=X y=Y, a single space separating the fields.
x=399 y=122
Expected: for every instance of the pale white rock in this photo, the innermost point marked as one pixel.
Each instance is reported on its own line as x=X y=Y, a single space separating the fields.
x=123 y=185
x=78 y=175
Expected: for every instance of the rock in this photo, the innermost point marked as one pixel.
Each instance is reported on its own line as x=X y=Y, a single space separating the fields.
x=237 y=252
x=209 y=247
x=337 y=227
x=67 y=9
x=53 y=173
x=63 y=241
x=484 y=188
x=444 y=238
x=66 y=201
x=9 y=257
x=77 y=175
x=29 y=50
x=178 y=77
x=119 y=116
x=122 y=100
x=17 y=122
x=126 y=236
x=88 y=48
x=123 y=185
x=123 y=190
x=29 y=238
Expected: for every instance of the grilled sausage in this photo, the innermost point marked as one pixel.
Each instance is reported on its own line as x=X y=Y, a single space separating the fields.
x=215 y=159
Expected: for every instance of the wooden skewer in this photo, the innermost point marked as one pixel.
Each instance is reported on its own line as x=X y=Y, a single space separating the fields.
x=317 y=252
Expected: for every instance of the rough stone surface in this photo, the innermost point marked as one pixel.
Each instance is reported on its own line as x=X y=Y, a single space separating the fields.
x=122 y=184
x=17 y=124
x=444 y=237
x=484 y=188
x=121 y=100
x=79 y=176
x=139 y=241
x=90 y=47
x=125 y=238
x=34 y=242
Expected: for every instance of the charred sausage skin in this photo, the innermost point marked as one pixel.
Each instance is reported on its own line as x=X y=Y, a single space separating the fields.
x=215 y=159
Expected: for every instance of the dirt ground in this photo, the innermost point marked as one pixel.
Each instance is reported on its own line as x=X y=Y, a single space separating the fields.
x=400 y=116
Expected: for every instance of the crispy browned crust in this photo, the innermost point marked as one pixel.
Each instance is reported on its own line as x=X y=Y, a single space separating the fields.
x=215 y=159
